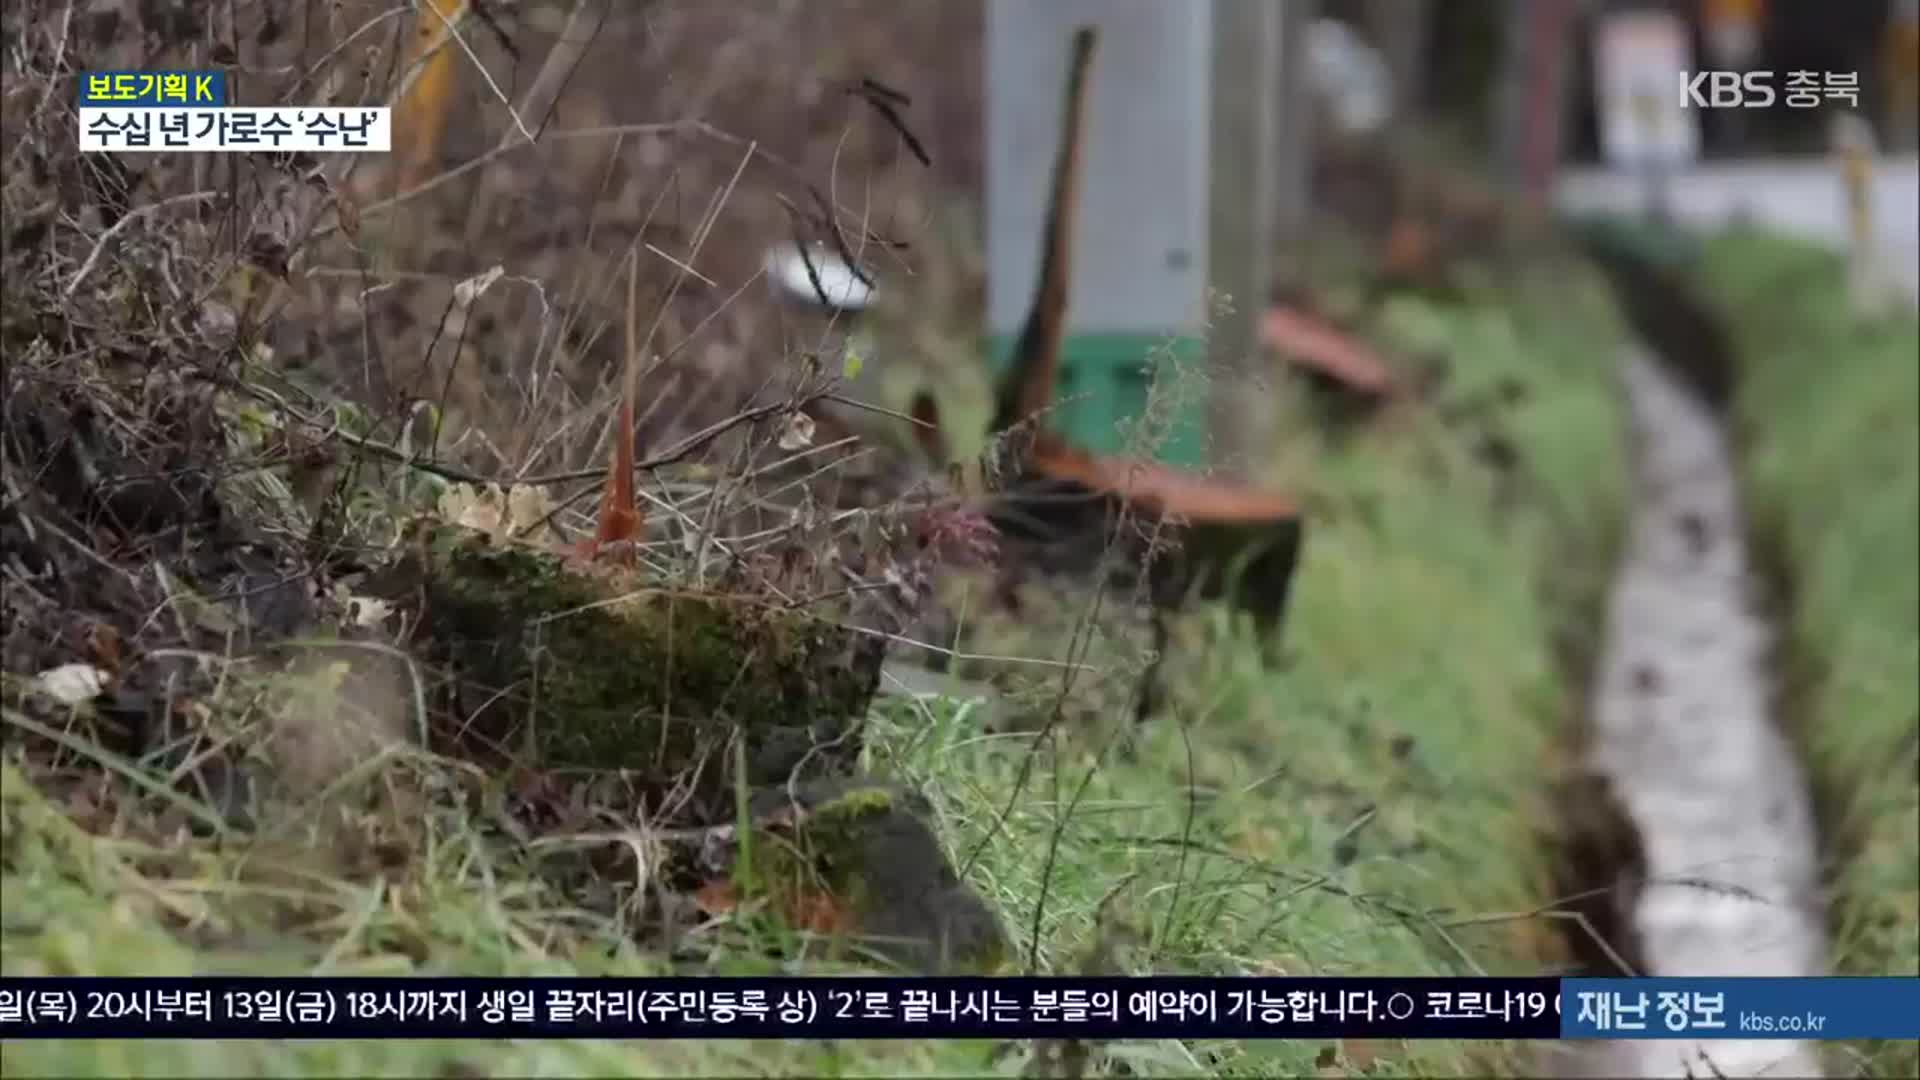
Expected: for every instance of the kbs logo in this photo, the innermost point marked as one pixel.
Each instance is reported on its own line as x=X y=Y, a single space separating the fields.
x=1726 y=89
x=1754 y=89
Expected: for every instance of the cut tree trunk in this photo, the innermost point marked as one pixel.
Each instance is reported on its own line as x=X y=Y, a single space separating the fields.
x=555 y=664
x=1193 y=536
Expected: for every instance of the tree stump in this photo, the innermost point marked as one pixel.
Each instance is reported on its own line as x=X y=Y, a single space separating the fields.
x=556 y=664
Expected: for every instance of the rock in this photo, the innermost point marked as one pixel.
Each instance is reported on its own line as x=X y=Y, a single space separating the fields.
x=859 y=860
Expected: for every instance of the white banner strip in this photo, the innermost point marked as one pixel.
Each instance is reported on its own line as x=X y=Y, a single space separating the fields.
x=264 y=130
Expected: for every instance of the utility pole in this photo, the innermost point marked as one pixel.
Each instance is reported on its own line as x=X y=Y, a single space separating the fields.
x=1530 y=98
x=1293 y=176
x=1249 y=177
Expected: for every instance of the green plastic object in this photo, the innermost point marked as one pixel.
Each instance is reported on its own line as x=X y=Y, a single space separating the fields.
x=1104 y=380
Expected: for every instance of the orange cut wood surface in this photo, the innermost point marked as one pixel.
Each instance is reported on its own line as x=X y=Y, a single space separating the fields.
x=1313 y=344
x=1164 y=490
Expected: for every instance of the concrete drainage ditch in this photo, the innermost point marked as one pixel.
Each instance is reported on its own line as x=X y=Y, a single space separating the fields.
x=1723 y=872
x=1683 y=733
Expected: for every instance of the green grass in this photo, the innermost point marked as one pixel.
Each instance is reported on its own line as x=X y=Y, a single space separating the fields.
x=1376 y=805
x=1828 y=410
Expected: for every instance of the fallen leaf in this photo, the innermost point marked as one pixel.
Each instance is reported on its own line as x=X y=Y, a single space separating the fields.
x=368 y=610
x=797 y=434
x=819 y=912
x=470 y=507
x=103 y=641
x=465 y=293
x=217 y=324
x=72 y=684
x=716 y=897
x=527 y=506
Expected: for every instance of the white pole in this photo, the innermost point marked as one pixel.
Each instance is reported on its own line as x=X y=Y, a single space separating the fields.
x=1141 y=265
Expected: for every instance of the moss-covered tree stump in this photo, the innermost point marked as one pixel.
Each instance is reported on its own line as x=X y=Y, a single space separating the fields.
x=558 y=665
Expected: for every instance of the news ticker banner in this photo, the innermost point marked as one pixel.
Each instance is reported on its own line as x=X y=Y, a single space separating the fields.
x=155 y=111
x=958 y=1008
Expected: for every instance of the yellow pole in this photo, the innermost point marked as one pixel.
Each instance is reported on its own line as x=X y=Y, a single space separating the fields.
x=420 y=116
x=1853 y=139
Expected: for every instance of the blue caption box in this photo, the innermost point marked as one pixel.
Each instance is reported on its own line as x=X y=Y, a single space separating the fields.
x=1750 y=1008
x=871 y=1007
x=153 y=89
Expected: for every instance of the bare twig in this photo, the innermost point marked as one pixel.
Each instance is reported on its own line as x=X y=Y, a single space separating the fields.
x=562 y=59
x=339 y=47
x=137 y=214
x=46 y=94
x=853 y=403
x=683 y=267
x=679 y=451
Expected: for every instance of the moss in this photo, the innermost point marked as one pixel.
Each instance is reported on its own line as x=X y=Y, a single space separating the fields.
x=853 y=807
x=574 y=669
